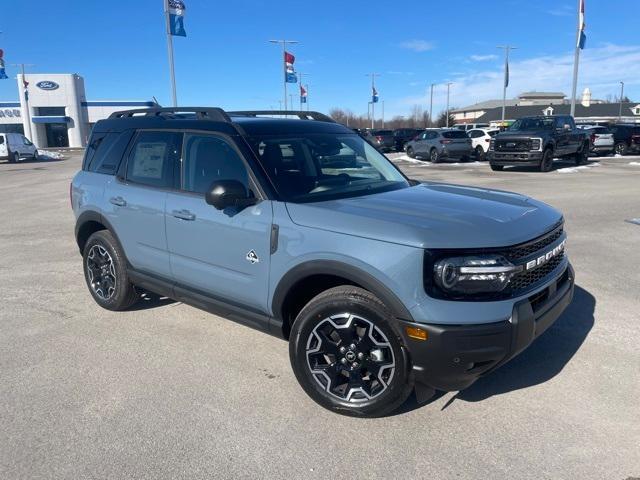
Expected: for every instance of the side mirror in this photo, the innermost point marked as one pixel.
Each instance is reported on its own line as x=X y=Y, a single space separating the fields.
x=228 y=193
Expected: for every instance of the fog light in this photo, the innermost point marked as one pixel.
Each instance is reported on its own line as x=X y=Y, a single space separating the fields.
x=416 y=333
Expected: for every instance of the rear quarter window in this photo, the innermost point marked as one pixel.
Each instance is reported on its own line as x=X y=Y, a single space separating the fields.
x=105 y=151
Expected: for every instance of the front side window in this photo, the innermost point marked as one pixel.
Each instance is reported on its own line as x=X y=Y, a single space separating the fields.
x=153 y=158
x=208 y=159
x=311 y=167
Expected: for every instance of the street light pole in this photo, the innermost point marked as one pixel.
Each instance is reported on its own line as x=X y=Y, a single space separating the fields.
x=507 y=49
x=431 y=106
x=621 y=95
x=284 y=44
x=373 y=87
x=576 y=61
x=448 y=88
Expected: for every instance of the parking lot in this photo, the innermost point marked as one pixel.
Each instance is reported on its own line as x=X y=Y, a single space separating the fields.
x=169 y=391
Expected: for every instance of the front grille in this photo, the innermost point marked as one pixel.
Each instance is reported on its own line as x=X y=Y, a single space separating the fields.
x=529 y=248
x=513 y=145
x=524 y=280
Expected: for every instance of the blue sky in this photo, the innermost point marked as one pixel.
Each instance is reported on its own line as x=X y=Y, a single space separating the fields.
x=120 y=49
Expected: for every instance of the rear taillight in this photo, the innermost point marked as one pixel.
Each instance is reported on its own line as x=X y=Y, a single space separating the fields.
x=445 y=142
x=487 y=140
x=379 y=139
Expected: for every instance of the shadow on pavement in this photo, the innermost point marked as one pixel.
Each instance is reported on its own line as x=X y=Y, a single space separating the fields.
x=541 y=361
x=150 y=300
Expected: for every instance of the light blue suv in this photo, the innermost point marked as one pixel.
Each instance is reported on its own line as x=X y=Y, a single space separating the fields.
x=301 y=228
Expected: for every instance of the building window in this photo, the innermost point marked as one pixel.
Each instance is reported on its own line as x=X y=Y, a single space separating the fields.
x=51 y=111
x=548 y=111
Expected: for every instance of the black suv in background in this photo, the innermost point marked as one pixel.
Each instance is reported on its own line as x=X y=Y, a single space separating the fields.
x=626 y=138
x=403 y=135
x=536 y=141
x=383 y=140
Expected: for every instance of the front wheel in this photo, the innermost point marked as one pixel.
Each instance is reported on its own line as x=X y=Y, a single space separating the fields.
x=14 y=157
x=36 y=155
x=105 y=272
x=582 y=156
x=346 y=355
x=547 y=161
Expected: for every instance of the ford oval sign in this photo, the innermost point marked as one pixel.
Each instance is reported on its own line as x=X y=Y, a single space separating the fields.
x=47 y=85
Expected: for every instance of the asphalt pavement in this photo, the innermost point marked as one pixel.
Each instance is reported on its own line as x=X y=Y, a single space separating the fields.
x=169 y=391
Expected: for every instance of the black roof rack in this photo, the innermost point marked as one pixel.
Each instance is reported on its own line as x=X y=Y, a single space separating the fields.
x=301 y=114
x=202 y=113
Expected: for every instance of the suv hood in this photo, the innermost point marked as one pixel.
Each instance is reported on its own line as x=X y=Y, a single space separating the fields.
x=433 y=215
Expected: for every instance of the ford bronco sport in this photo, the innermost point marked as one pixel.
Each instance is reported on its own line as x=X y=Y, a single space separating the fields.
x=300 y=228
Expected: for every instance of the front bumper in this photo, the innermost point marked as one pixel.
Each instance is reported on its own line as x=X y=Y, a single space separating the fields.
x=455 y=356
x=514 y=158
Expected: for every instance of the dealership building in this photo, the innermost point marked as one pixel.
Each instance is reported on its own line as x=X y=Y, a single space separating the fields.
x=56 y=112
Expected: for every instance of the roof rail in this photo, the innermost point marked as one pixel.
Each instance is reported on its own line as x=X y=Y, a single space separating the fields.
x=301 y=114
x=202 y=113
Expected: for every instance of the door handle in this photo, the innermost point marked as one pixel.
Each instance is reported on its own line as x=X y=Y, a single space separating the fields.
x=118 y=201
x=184 y=215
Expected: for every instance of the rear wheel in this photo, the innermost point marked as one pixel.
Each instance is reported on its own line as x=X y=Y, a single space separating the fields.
x=14 y=157
x=105 y=272
x=434 y=156
x=346 y=355
x=497 y=168
x=582 y=156
x=547 y=161
x=621 y=148
x=480 y=155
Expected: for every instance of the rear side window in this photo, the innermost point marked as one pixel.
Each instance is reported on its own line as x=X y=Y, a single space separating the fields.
x=105 y=151
x=455 y=134
x=1 y=139
x=154 y=158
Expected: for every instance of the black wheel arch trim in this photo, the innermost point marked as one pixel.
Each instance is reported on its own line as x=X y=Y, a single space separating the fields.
x=338 y=269
x=93 y=216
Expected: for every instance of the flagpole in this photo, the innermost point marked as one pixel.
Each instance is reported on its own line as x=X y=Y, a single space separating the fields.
x=448 y=90
x=373 y=87
x=172 y=73
x=27 y=111
x=507 y=49
x=576 y=60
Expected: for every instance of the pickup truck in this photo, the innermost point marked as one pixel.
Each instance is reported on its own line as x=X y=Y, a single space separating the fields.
x=536 y=141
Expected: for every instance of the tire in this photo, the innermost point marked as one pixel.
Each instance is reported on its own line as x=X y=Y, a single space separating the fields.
x=14 y=157
x=480 y=155
x=497 y=168
x=105 y=271
x=410 y=152
x=36 y=155
x=582 y=156
x=621 y=148
x=546 y=164
x=434 y=156
x=338 y=340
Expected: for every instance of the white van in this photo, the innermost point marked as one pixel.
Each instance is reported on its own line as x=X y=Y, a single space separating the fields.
x=14 y=146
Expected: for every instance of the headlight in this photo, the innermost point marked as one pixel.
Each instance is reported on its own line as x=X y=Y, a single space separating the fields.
x=477 y=274
x=536 y=143
x=492 y=144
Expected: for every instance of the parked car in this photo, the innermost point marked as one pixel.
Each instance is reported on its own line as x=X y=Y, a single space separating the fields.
x=381 y=285
x=626 y=138
x=480 y=140
x=470 y=126
x=403 y=135
x=536 y=141
x=383 y=140
x=14 y=146
x=439 y=144
x=601 y=140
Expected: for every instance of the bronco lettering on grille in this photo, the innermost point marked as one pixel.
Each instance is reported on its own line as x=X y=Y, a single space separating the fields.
x=542 y=259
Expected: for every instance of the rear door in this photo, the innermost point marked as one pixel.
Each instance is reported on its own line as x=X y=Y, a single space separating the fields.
x=135 y=206
x=222 y=253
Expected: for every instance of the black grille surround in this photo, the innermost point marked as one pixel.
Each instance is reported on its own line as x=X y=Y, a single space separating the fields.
x=506 y=145
x=521 y=283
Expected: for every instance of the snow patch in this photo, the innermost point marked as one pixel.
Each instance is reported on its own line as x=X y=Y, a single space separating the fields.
x=634 y=163
x=413 y=160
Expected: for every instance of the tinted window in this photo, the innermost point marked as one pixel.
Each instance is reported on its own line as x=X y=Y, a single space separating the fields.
x=105 y=150
x=153 y=158
x=476 y=133
x=208 y=159
x=1 y=139
x=455 y=134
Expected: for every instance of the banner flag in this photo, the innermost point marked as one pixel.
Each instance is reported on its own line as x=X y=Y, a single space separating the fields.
x=289 y=73
x=374 y=95
x=582 y=37
x=303 y=94
x=176 y=12
x=3 y=74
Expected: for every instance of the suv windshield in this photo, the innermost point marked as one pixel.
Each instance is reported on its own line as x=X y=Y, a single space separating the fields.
x=524 y=124
x=312 y=167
